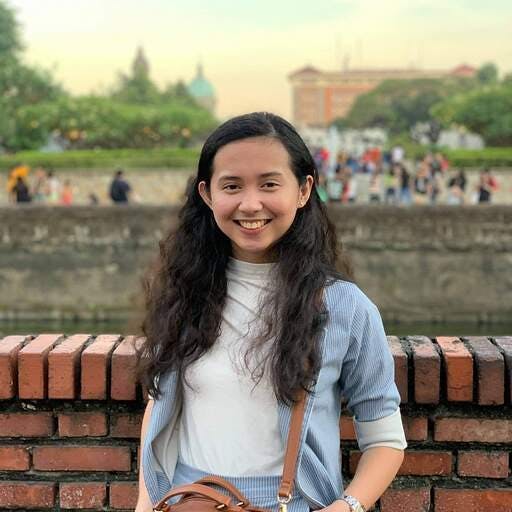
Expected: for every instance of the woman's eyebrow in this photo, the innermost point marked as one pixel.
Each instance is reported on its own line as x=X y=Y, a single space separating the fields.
x=270 y=174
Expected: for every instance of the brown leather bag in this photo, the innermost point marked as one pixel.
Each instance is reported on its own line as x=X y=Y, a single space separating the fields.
x=200 y=496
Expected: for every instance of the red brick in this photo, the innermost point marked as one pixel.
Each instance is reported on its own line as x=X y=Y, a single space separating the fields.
x=27 y=495
x=124 y=362
x=406 y=500
x=505 y=344
x=347 y=430
x=490 y=369
x=33 y=366
x=473 y=500
x=401 y=367
x=424 y=463
x=479 y=430
x=95 y=365
x=21 y=424
x=83 y=495
x=14 y=458
x=427 y=370
x=123 y=495
x=459 y=369
x=82 y=458
x=483 y=464
x=126 y=425
x=64 y=367
x=9 y=348
x=82 y=424
x=415 y=428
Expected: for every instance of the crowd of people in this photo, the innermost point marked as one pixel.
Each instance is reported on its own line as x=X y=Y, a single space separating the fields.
x=391 y=180
x=47 y=188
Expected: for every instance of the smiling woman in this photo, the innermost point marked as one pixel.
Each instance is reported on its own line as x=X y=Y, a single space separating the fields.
x=251 y=312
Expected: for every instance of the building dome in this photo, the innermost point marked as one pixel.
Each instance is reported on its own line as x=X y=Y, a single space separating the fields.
x=202 y=90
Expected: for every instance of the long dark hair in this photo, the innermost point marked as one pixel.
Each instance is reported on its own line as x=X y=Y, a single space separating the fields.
x=185 y=293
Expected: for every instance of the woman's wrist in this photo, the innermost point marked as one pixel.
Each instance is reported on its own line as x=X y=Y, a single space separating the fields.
x=341 y=506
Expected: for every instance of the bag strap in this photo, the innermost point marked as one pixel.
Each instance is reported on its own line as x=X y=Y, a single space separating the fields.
x=292 y=450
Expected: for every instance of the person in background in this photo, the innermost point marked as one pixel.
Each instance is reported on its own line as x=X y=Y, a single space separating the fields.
x=486 y=187
x=18 y=170
x=53 y=188
x=374 y=188
x=349 y=194
x=40 y=188
x=66 y=196
x=390 y=186
x=456 y=188
x=21 y=192
x=422 y=183
x=404 y=181
x=119 y=188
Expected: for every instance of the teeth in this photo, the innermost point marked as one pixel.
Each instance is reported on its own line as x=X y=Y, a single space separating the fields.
x=254 y=224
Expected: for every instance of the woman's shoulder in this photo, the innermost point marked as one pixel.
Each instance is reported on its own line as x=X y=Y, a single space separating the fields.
x=346 y=298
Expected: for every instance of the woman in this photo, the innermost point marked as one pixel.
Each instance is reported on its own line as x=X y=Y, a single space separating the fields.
x=245 y=310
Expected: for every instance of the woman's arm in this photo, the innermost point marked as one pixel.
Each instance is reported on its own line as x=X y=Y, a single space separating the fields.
x=143 y=501
x=376 y=469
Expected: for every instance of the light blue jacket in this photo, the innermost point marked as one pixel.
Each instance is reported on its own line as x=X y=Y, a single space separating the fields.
x=356 y=364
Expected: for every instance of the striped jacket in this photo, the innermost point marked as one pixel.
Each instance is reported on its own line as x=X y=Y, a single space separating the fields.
x=356 y=364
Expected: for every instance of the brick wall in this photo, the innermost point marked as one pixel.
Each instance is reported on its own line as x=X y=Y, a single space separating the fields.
x=71 y=411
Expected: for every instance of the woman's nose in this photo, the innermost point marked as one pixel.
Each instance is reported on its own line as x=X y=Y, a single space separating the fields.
x=250 y=202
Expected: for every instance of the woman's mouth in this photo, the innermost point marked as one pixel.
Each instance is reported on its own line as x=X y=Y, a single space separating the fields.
x=252 y=224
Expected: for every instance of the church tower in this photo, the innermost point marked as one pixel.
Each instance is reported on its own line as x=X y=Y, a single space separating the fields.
x=202 y=90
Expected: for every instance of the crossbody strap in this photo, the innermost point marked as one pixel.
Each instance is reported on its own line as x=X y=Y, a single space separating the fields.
x=292 y=450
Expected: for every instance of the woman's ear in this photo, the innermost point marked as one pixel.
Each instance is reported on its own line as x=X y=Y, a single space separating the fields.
x=204 y=193
x=305 y=190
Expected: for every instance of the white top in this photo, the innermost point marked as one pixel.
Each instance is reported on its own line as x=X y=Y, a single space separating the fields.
x=229 y=424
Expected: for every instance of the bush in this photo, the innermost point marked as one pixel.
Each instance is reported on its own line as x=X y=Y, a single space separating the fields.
x=488 y=157
x=128 y=158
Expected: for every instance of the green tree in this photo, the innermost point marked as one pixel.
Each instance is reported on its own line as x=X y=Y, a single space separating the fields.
x=99 y=122
x=19 y=84
x=397 y=105
x=10 y=42
x=487 y=74
x=486 y=111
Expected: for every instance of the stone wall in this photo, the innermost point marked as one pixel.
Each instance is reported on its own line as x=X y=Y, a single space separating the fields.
x=71 y=413
x=421 y=263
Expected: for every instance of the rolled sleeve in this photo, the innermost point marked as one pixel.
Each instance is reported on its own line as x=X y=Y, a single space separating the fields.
x=387 y=431
x=367 y=377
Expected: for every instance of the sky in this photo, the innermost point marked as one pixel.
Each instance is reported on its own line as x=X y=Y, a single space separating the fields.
x=249 y=47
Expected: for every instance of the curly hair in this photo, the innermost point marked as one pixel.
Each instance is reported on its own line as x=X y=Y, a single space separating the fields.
x=185 y=292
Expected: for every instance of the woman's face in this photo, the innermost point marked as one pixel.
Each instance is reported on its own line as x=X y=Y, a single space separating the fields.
x=254 y=195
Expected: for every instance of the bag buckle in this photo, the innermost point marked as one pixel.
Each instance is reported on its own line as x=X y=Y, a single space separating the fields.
x=283 y=502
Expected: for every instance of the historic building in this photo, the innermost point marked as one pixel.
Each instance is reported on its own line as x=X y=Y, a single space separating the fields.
x=320 y=97
x=202 y=90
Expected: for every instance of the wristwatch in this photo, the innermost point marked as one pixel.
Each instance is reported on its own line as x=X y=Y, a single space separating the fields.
x=353 y=503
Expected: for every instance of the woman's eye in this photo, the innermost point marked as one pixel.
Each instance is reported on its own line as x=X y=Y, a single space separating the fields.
x=270 y=184
x=230 y=187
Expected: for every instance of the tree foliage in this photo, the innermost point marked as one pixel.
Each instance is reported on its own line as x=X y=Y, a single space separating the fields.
x=397 y=105
x=99 y=122
x=10 y=42
x=20 y=84
x=486 y=111
x=487 y=74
